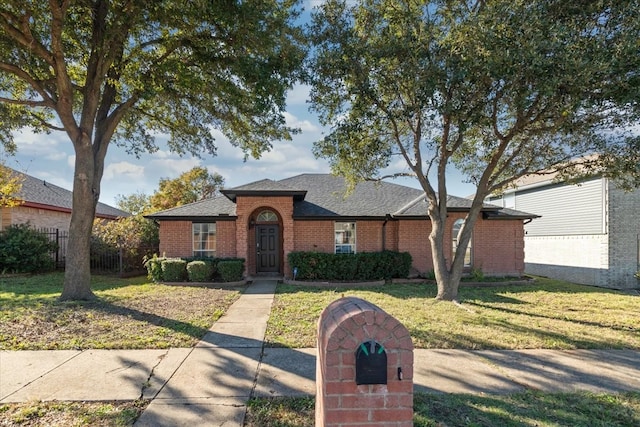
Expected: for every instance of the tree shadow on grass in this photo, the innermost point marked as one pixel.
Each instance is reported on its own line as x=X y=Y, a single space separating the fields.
x=529 y=408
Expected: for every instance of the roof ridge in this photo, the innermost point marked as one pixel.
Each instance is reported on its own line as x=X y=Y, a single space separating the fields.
x=409 y=205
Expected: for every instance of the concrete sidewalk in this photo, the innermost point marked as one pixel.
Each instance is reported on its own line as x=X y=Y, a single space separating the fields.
x=211 y=383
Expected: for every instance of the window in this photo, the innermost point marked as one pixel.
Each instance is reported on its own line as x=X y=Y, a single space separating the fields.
x=267 y=216
x=345 y=236
x=455 y=234
x=204 y=240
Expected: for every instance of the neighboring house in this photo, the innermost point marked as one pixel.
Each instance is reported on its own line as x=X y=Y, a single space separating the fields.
x=44 y=205
x=589 y=233
x=264 y=221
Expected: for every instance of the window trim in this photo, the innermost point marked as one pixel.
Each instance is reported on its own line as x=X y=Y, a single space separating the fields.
x=204 y=253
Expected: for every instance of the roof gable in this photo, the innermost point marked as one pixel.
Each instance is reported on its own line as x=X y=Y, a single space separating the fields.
x=40 y=192
x=265 y=187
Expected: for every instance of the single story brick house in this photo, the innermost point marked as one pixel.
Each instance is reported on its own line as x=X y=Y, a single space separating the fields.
x=45 y=205
x=265 y=220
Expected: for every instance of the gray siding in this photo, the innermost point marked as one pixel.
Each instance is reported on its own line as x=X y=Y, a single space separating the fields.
x=565 y=209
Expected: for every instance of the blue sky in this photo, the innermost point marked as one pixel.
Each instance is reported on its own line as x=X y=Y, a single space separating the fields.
x=51 y=158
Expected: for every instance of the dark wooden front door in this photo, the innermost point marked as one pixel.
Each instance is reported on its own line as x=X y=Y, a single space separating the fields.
x=268 y=248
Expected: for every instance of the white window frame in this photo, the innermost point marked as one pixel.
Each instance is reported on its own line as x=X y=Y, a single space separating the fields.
x=344 y=237
x=201 y=240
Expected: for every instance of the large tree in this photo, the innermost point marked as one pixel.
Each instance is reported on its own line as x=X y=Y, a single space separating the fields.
x=499 y=88
x=123 y=71
x=193 y=185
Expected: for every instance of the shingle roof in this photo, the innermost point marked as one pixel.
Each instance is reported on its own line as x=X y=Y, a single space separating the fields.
x=323 y=196
x=40 y=192
x=217 y=206
x=326 y=197
x=265 y=186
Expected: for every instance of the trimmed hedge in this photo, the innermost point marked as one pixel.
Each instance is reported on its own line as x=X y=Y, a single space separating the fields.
x=199 y=271
x=174 y=269
x=350 y=267
x=193 y=269
x=231 y=271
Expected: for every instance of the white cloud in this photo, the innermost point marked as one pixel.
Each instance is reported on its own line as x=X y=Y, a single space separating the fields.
x=172 y=167
x=303 y=125
x=123 y=170
x=298 y=95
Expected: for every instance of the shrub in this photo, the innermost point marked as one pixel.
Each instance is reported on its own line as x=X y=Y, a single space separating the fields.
x=361 y=266
x=174 y=269
x=154 y=268
x=231 y=270
x=199 y=271
x=25 y=250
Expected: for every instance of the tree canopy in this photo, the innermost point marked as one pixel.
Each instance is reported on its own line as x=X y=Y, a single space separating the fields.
x=499 y=88
x=125 y=71
x=10 y=186
x=191 y=186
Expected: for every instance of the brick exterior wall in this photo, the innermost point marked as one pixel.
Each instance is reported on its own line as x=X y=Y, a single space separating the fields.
x=176 y=239
x=624 y=238
x=247 y=208
x=413 y=237
x=226 y=239
x=314 y=236
x=340 y=401
x=36 y=217
x=497 y=245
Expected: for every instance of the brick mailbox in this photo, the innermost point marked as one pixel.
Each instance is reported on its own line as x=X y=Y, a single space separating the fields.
x=364 y=369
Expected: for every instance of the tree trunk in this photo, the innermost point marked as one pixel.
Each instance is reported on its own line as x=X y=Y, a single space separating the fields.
x=449 y=274
x=77 y=275
x=445 y=280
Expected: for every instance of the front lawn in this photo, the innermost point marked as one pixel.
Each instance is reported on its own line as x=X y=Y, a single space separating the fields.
x=95 y=414
x=547 y=314
x=433 y=410
x=128 y=314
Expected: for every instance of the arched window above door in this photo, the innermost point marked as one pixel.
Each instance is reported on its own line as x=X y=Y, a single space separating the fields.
x=267 y=216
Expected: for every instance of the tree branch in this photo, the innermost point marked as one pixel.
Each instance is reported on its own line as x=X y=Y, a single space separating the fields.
x=23 y=36
x=24 y=102
x=23 y=75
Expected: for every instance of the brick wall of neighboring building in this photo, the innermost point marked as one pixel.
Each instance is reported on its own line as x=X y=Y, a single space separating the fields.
x=36 y=217
x=624 y=238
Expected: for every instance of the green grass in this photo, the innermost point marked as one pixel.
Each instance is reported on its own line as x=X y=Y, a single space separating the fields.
x=127 y=314
x=106 y=414
x=546 y=314
x=434 y=410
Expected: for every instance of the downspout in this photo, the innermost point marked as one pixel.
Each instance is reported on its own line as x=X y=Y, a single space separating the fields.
x=387 y=218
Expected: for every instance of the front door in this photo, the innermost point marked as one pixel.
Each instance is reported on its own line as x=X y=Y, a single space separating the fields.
x=268 y=248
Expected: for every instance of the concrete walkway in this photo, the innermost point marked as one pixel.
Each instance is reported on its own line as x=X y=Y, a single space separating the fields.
x=211 y=383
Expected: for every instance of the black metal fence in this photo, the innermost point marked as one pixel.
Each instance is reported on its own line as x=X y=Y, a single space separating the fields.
x=104 y=259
